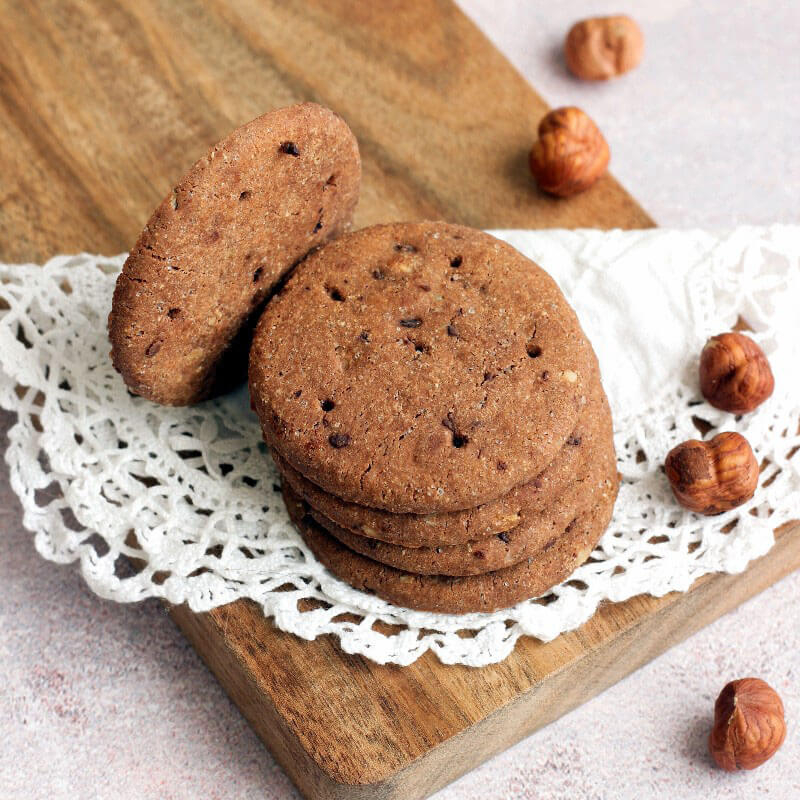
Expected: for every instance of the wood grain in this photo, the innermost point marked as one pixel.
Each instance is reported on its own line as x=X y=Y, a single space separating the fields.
x=350 y=729
x=104 y=105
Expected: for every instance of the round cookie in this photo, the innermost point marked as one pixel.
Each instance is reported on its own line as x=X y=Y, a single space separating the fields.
x=457 y=527
x=555 y=562
x=419 y=368
x=244 y=214
x=493 y=552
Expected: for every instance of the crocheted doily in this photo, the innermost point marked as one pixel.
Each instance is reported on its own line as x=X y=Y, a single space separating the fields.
x=183 y=503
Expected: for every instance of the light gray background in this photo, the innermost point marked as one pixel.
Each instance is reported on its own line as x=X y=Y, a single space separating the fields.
x=99 y=700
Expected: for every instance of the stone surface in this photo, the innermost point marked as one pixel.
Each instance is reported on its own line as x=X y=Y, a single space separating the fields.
x=108 y=701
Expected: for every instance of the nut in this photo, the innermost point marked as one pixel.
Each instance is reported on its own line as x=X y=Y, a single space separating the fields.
x=714 y=476
x=734 y=373
x=603 y=47
x=570 y=153
x=748 y=725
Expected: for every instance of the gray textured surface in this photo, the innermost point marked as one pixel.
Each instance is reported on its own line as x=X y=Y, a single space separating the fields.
x=106 y=701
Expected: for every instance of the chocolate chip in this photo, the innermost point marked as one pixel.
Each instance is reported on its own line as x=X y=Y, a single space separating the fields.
x=456 y=262
x=503 y=537
x=533 y=350
x=297 y=393
x=378 y=275
x=459 y=440
x=335 y=294
x=451 y=331
x=328 y=405
x=153 y=347
x=411 y=322
x=174 y=313
x=290 y=148
x=339 y=440
x=545 y=376
x=245 y=195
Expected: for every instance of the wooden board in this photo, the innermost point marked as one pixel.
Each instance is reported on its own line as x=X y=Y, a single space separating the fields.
x=103 y=106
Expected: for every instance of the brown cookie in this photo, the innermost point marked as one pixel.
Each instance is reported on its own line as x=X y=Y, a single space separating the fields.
x=419 y=368
x=499 y=551
x=555 y=562
x=457 y=527
x=211 y=253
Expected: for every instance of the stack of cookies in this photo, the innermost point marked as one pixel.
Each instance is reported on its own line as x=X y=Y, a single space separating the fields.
x=427 y=392
x=438 y=418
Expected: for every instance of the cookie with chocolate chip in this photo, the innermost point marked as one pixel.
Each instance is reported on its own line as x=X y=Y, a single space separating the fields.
x=554 y=562
x=419 y=368
x=505 y=514
x=213 y=251
x=494 y=552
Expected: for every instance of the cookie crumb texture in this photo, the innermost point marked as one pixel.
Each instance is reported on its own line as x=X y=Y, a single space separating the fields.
x=403 y=367
x=194 y=283
x=491 y=591
x=504 y=514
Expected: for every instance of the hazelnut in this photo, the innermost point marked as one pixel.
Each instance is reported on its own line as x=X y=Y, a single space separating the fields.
x=603 y=47
x=734 y=373
x=714 y=476
x=570 y=153
x=748 y=725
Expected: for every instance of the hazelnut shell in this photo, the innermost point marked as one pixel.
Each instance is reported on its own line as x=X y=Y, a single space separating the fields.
x=735 y=375
x=749 y=725
x=603 y=47
x=714 y=476
x=570 y=153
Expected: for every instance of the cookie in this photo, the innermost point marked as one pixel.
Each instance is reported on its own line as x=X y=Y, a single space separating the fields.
x=493 y=552
x=458 y=527
x=191 y=288
x=554 y=563
x=419 y=368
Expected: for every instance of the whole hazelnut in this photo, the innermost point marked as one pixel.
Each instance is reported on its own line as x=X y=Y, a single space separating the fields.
x=603 y=47
x=748 y=725
x=570 y=153
x=714 y=476
x=734 y=373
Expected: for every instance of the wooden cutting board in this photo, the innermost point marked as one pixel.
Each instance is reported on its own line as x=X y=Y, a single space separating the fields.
x=103 y=107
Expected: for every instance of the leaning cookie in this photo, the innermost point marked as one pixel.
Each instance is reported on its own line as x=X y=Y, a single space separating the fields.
x=555 y=562
x=243 y=215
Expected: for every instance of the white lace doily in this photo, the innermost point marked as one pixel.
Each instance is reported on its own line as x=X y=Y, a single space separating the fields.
x=183 y=504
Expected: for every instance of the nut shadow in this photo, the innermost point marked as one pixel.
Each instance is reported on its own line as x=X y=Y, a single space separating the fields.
x=696 y=744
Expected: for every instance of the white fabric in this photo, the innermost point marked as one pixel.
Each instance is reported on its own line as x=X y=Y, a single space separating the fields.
x=190 y=496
